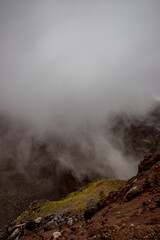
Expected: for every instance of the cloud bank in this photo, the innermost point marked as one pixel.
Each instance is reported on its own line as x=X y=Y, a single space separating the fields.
x=66 y=64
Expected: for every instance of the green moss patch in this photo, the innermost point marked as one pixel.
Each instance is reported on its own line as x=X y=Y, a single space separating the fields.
x=74 y=202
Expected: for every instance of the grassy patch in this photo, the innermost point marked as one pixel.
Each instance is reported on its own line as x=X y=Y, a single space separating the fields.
x=75 y=202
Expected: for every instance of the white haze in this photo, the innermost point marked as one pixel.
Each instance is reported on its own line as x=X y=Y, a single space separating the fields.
x=66 y=64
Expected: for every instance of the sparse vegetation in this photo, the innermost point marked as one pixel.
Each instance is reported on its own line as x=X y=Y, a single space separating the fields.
x=74 y=202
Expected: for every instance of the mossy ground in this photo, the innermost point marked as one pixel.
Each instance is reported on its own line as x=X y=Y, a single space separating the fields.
x=74 y=202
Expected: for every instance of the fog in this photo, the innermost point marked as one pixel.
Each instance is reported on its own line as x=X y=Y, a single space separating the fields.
x=65 y=66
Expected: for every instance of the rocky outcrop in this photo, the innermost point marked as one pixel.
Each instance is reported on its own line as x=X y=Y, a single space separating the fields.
x=148 y=162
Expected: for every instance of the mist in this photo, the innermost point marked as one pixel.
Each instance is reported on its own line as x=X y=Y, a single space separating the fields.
x=66 y=66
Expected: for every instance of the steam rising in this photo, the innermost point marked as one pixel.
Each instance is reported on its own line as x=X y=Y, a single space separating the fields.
x=67 y=65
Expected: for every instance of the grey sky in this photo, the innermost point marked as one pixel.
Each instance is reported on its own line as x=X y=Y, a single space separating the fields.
x=65 y=63
x=78 y=57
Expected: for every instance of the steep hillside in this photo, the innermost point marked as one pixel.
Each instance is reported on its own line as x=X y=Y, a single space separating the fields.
x=131 y=212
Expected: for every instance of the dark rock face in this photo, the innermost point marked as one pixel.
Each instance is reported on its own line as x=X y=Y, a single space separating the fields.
x=139 y=135
x=148 y=162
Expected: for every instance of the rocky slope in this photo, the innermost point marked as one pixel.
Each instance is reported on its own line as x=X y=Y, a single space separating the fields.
x=131 y=212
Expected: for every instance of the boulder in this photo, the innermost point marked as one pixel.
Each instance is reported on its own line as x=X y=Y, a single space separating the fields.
x=133 y=192
x=56 y=235
x=31 y=225
x=38 y=220
x=15 y=234
x=70 y=222
x=88 y=214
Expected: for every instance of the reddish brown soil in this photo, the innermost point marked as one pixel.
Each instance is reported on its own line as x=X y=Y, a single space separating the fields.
x=133 y=212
